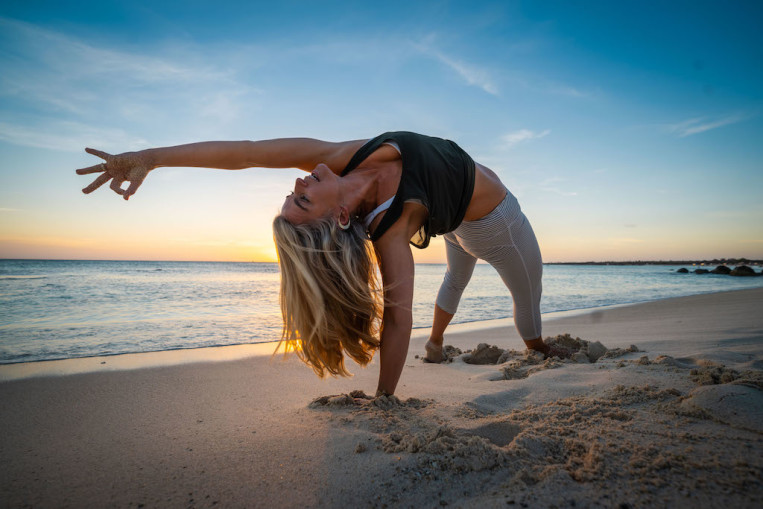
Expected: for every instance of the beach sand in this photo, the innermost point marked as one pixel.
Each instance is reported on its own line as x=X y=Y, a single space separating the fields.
x=678 y=423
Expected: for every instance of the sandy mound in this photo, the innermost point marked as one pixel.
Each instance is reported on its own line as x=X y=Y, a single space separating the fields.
x=532 y=362
x=361 y=399
x=409 y=426
x=563 y=346
x=485 y=354
x=516 y=364
x=448 y=353
x=714 y=374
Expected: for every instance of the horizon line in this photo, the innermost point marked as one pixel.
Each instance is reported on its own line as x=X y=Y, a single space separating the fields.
x=587 y=262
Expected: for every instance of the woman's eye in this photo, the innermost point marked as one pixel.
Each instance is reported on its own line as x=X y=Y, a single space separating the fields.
x=304 y=198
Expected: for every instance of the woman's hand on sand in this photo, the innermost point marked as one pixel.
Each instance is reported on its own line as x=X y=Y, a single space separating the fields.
x=130 y=166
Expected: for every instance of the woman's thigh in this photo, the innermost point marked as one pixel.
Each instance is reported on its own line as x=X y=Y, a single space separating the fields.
x=506 y=240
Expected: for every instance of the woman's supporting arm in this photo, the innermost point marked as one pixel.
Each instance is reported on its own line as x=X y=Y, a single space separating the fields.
x=397 y=269
x=397 y=276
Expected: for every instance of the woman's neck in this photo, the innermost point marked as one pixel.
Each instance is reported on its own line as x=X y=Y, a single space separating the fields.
x=360 y=190
x=368 y=186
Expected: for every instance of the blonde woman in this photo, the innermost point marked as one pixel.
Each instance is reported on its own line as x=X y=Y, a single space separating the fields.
x=365 y=202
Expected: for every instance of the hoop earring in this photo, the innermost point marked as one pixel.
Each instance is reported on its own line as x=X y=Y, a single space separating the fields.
x=343 y=226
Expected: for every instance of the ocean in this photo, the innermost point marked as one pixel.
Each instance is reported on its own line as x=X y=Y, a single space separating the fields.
x=58 y=309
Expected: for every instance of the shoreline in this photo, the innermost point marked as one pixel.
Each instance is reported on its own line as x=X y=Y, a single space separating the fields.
x=678 y=423
x=224 y=353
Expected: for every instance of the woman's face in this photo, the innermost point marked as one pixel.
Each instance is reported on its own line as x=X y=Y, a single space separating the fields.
x=314 y=197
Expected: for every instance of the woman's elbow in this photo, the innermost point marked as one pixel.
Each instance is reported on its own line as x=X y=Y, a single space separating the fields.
x=398 y=318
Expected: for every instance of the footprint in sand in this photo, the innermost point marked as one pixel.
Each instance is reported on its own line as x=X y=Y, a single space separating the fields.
x=498 y=433
x=737 y=405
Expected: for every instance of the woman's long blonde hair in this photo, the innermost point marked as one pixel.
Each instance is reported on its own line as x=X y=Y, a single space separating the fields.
x=331 y=299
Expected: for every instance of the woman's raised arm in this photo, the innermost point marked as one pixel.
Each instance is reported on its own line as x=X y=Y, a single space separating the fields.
x=302 y=153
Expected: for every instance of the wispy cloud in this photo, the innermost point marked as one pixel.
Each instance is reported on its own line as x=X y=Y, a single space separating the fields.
x=473 y=74
x=57 y=78
x=522 y=136
x=68 y=61
x=567 y=90
x=69 y=136
x=556 y=185
x=702 y=124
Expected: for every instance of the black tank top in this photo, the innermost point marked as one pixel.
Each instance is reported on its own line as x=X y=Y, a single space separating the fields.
x=436 y=173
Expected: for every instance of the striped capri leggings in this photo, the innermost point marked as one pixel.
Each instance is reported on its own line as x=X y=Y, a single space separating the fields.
x=504 y=239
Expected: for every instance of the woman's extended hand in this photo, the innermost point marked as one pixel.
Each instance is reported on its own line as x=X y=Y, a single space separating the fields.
x=130 y=166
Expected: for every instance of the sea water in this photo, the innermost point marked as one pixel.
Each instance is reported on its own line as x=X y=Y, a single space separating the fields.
x=56 y=309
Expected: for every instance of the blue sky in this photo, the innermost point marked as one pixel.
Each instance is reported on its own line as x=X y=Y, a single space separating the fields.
x=628 y=130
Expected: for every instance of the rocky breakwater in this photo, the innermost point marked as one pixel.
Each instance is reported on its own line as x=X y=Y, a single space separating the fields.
x=739 y=270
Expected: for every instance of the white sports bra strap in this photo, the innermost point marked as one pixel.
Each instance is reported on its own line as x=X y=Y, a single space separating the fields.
x=378 y=210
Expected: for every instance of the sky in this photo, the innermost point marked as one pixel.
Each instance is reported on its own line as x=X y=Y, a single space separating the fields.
x=627 y=130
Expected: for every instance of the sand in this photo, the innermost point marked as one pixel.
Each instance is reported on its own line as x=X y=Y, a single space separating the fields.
x=655 y=404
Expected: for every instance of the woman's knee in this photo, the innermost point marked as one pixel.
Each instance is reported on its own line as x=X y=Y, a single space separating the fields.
x=451 y=289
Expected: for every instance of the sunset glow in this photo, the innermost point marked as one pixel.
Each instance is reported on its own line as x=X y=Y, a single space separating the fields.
x=627 y=131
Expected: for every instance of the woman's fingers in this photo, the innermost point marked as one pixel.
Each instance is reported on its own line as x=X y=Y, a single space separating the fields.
x=92 y=169
x=98 y=182
x=134 y=185
x=120 y=169
x=116 y=186
x=103 y=155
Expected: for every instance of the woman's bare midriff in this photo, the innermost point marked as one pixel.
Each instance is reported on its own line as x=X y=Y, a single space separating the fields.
x=488 y=193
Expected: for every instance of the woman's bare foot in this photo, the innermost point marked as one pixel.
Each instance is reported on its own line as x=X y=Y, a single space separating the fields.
x=538 y=345
x=434 y=353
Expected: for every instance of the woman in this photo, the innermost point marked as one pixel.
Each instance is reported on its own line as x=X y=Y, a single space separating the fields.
x=397 y=189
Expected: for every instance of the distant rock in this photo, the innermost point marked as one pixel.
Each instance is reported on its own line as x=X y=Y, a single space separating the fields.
x=701 y=271
x=743 y=270
x=683 y=270
x=721 y=269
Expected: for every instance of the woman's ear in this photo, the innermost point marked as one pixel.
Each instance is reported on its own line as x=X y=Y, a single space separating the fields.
x=344 y=216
